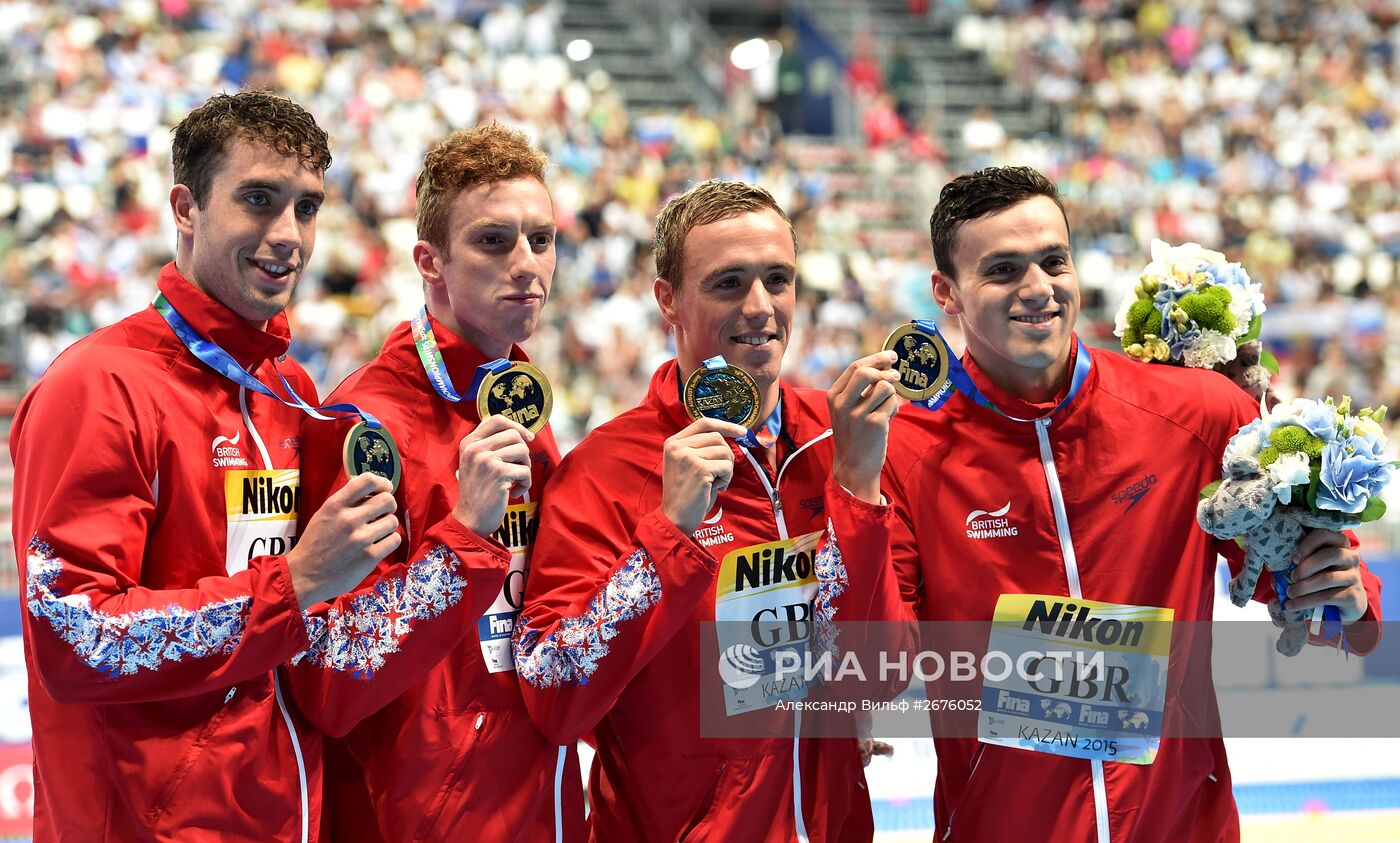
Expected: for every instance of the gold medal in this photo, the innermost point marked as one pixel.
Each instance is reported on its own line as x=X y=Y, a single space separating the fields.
x=371 y=450
x=520 y=393
x=727 y=393
x=922 y=362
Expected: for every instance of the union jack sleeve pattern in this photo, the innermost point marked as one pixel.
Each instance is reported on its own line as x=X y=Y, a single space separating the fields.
x=832 y=580
x=571 y=653
x=120 y=645
x=361 y=638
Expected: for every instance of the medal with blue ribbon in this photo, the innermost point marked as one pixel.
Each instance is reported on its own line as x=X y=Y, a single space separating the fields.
x=514 y=389
x=922 y=361
x=212 y=355
x=718 y=390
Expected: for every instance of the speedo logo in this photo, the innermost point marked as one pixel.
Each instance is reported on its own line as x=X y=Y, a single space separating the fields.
x=982 y=524
x=1135 y=491
x=226 y=452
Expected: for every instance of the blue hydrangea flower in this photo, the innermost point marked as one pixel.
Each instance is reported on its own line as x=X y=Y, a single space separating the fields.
x=1317 y=418
x=1349 y=480
x=1227 y=274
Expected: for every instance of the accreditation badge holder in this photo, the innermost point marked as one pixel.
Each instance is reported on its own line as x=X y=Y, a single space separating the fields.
x=717 y=390
x=922 y=360
x=1082 y=679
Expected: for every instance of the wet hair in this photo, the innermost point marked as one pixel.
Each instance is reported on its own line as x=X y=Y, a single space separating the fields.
x=201 y=141
x=707 y=202
x=464 y=159
x=982 y=193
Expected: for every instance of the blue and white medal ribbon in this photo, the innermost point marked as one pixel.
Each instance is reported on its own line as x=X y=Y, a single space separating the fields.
x=961 y=381
x=212 y=355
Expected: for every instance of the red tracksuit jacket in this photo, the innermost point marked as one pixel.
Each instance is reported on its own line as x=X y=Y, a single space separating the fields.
x=443 y=749
x=1101 y=496
x=151 y=498
x=610 y=639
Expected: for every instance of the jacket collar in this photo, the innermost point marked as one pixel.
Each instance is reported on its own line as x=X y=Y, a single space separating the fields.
x=215 y=322
x=1017 y=410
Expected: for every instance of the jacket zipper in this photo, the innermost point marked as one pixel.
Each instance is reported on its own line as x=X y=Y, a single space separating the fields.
x=967 y=788
x=778 y=518
x=1057 y=502
x=276 y=684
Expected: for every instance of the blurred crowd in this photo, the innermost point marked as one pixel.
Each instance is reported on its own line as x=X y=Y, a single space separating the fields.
x=1270 y=134
x=1269 y=131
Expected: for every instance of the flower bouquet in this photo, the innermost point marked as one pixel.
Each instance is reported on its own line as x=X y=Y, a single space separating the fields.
x=1305 y=464
x=1193 y=308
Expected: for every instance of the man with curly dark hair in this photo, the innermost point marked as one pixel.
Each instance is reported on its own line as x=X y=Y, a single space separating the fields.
x=156 y=494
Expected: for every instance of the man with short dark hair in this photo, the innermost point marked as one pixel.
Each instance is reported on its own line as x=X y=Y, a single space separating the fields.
x=1033 y=447
x=651 y=530
x=156 y=498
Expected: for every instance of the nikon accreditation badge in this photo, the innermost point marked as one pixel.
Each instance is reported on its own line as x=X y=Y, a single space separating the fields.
x=764 y=615
x=717 y=390
x=1076 y=677
x=261 y=509
x=922 y=362
x=371 y=450
x=494 y=628
x=519 y=392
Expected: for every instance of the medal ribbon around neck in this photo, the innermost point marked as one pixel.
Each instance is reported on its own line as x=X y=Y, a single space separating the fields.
x=212 y=355
x=961 y=381
x=765 y=434
x=436 y=368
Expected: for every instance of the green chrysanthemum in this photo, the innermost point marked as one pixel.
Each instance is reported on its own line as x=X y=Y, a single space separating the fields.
x=1222 y=293
x=1153 y=323
x=1131 y=337
x=1209 y=311
x=1138 y=313
x=1268 y=456
x=1294 y=439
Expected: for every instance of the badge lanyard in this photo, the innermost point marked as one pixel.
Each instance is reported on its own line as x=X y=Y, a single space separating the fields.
x=212 y=355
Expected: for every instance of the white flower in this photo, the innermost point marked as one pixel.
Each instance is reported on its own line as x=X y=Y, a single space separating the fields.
x=1287 y=471
x=1246 y=443
x=1246 y=303
x=1209 y=350
x=1367 y=427
x=1180 y=263
x=1120 y=320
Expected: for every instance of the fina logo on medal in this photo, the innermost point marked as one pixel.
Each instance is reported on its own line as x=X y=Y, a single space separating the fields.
x=727 y=393
x=521 y=393
x=370 y=450
x=922 y=362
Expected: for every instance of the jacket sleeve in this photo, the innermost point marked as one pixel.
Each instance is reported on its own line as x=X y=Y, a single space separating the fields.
x=83 y=516
x=904 y=548
x=606 y=592
x=859 y=607
x=371 y=644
